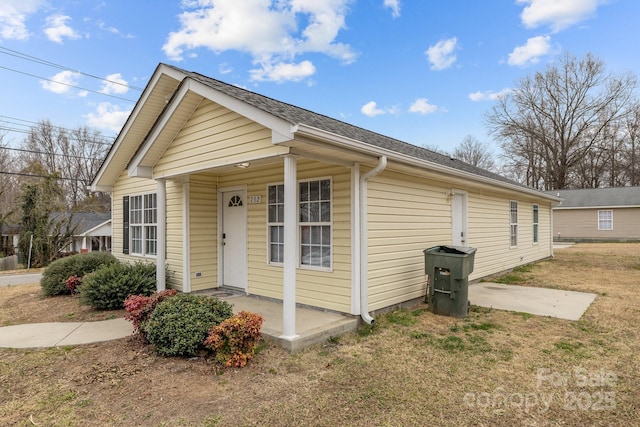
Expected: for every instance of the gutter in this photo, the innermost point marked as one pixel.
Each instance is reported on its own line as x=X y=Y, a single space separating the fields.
x=364 y=289
x=352 y=144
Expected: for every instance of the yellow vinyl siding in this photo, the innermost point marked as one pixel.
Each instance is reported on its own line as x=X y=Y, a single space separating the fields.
x=330 y=290
x=126 y=186
x=406 y=215
x=175 y=242
x=489 y=232
x=215 y=136
x=203 y=231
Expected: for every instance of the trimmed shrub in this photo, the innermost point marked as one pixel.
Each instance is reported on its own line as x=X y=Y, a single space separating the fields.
x=140 y=307
x=108 y=287
x=55 y=275
x=234 y=340
x=179 y=325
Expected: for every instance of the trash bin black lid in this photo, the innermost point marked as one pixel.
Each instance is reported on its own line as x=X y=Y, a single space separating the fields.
x=452 y=250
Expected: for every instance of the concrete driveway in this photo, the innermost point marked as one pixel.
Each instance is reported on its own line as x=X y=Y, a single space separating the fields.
x=558 y=303
x=20 y=279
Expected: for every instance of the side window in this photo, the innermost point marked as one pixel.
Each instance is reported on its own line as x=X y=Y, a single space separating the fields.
x=513 y=223
x=535 y=223
x=275 y=223
x=605 y=220
x=315 y=223
x=141 y=235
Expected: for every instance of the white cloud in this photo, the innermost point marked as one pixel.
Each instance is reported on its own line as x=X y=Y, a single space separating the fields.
x=61 y=82
x=422 y=106
x=371 y=109
x=272 y=32
x=56 y=28
x=284 y=72
x=558 y=14
x=115 y=84
x=489 y=95
x=224 y=68
x=394 y=5
x=531 y=52
x=13 y=17
x=441 y=55
x=107 y=116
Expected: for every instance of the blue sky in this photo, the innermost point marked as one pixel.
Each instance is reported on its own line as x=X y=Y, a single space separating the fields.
x=423 y=71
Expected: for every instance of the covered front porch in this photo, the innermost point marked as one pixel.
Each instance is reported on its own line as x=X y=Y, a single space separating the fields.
x=313 y=326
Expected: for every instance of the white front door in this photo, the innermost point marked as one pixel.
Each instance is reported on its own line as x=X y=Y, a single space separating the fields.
x=459 y=219
x=234 y=239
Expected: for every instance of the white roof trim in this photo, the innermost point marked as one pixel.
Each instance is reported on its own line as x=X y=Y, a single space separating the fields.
x=281 y=130
x=86 y=233
x=305 y=130
x=160 y=71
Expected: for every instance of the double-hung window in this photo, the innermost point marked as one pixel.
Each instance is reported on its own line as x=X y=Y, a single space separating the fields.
x=143 y=227
x=513 y=223
x=605 y=220
x=536 y=224
x=275 y=223
x=314 y=222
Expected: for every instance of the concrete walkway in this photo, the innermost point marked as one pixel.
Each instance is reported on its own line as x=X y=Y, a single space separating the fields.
x=20 y=279
x=558 y=303
x=312 y=326
x=33 y=335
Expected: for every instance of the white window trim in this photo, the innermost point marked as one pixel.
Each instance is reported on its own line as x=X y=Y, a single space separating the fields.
x=330 y=224
x=535 y=224
x=599 y=220
x=143 y=227
x=511 y=224
x=269 y=225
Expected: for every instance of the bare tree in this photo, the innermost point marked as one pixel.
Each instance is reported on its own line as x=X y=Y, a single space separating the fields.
x=552 y=121
x=75 y=155
x=474 y=152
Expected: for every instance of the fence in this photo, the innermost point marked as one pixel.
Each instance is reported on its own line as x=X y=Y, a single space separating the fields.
x=9 y=263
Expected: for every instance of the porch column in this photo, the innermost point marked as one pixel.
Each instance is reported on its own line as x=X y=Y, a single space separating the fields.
x=290 y=249
x=186 y=238
x=161 y=224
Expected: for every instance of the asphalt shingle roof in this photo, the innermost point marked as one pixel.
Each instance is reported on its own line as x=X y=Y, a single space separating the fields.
x=598 y=197
x=297 y=115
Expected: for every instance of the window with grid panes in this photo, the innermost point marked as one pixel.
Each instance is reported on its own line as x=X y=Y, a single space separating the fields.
x=315 y=223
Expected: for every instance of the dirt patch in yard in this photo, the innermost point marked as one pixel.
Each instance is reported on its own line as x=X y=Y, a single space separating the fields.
x=27 y=304
x=414 y=368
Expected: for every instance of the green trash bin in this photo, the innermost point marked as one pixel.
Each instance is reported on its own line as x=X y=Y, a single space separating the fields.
x=448 y=268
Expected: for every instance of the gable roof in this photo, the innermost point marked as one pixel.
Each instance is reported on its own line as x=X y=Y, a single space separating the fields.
x=82 y=221
x=598 y=197
x=299 y=121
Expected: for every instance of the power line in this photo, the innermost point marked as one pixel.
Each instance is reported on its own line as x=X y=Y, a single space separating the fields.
x=106 y=140
x=41 y=176
x=71 y=156
x=37 y=60
x=67 y=84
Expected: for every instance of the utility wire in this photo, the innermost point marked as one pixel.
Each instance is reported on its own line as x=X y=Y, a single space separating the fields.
x=41 y=176
x=106 y=140
x=26 y=57
x=67 y=84
x=71 y=156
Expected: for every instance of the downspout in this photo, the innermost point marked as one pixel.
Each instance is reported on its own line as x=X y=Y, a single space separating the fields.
x=364 y=288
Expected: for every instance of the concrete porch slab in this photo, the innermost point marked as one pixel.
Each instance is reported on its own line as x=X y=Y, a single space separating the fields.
x=312 y=326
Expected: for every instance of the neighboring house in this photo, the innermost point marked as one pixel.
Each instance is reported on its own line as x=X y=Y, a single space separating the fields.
x=91 y=230
x=9 y=238
x=226 y=187
x=597 y=215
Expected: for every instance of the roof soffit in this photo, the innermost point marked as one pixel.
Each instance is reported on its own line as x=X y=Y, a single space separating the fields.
x=161 y=86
